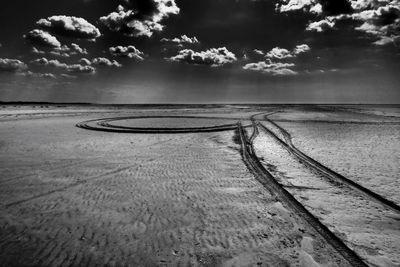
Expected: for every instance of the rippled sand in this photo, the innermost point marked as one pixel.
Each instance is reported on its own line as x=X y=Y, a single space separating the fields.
x=73 y=197
x=76 y=197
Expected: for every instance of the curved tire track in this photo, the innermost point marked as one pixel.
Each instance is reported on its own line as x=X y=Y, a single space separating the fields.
x=269 y=182
x=255 y=131
x=325 y=171
x=103 y=125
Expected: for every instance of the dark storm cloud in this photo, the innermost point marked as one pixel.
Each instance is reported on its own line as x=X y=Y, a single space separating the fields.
x=140 y=18
x=69 y=26
x=215 y=57
x=129 y=51
x=73 y=68
x=11 y=65
x=41 y=38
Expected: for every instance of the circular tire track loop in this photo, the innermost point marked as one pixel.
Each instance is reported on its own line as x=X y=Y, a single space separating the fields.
x=105 y=126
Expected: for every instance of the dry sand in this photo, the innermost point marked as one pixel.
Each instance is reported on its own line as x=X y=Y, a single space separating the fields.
x=367 y=150
x=72 y=197
x=367 y=227
x=368 y=154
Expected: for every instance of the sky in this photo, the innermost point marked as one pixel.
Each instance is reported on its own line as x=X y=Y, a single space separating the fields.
x=200 y=51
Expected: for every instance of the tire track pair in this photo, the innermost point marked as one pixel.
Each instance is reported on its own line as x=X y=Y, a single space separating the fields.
x=269 y=182
x=344 y=122
x=322 y=169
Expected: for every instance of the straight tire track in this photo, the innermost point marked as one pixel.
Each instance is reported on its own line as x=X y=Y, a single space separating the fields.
x=325 y=171
x=269 y=182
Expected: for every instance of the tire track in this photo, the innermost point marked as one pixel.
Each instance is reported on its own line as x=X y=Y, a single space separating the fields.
x=165 y=207
x=269 y=182
x=171 y=116
x=255 y=131
x=106 y=127
x=343 y=122
x=255 y=122
x=325 y=171
x=194 y=205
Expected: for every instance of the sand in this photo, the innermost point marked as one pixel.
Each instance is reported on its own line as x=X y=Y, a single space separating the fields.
x=73 y=197
x=177 y=122
x=361 y=143
x=367 y=227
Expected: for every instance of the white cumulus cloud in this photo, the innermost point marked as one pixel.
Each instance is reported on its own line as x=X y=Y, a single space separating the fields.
x=11 y=65
x=140 y=19
x=70 y=26
x=42 y=38
x=214 y=57
x=272 y=68
x=184 y=39
x=129 y=51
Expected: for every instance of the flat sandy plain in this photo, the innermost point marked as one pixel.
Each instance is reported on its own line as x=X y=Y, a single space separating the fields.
x=290 y=185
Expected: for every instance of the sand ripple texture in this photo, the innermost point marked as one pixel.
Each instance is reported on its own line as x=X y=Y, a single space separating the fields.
x=371 y=230
x=367 y=154
x=71 y=197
